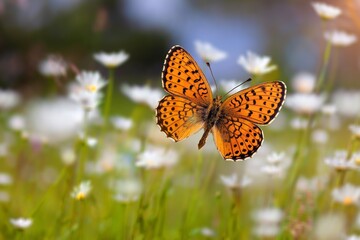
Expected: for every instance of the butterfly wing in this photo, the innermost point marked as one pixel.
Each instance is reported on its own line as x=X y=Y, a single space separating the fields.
x=181 y=76
x=179 y=117
x=258 y=104
x=236 y=138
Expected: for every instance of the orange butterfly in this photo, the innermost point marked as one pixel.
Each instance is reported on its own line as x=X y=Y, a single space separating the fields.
x=190 y=107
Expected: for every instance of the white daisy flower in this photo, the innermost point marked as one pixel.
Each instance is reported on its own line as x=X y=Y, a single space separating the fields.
x=21 y=223
x=304 y=82
x=340 y=38
x=8 y=99
x=305 y=103
x=347 y=194
x=90 y=81
x=81 y=191
x=208 y=52
x=157 y=157
x=233 y=181
x=255 y=64
x=340 y=162
x=53 y=66
x=326 y=11
x=111 y=60
x=143 y=94
x=88 y=100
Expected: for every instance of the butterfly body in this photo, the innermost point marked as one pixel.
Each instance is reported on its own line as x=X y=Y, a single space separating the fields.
x=190 y=107
x=210 y=118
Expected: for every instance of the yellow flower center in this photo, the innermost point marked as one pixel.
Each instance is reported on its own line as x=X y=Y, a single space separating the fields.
x=80 y=196
x=357 y=161
x=91 y=88
x=348 y=200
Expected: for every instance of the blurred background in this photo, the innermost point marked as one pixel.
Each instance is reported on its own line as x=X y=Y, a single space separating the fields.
x=288 y=31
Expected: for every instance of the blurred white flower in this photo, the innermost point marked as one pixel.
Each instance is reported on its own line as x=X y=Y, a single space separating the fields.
x=8 y=99
x=329 y=227
x=326 y=11
x=54 y=120
x=91 y=141
x=304 y=82
x=21 y=223
x=353 y=237
x=344 y=102
x=208 y=52
x=5 y=179
x=4 y=149
x=255 y=64
x=304 y=103
x=122 y=123
x=355 y=130
x=207 y=232
x=4 y=196
x=227 y=85
x=16 y=122
x=233 y=181
x=143 y=94
x=311 y=185
x=320 y=136
x=328 y=109
x=53 y=66
x=90 y=81
x=348 y=194
x=68 y=155
x=275 y=165
x=127 y=190
x=88 y=100
x=267 y=221
x=275 y=157
x=157 y=157
x=340 y=162
x=81 y=191
x=299 y=123
x=340 y=38
x=111 y=60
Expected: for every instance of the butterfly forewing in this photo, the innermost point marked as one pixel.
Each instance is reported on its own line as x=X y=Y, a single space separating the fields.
x=259 y=104
x=182 y=77
x=178 y=117
x=237 y=138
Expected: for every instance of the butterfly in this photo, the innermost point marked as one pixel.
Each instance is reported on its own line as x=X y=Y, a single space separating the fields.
x=233 y=122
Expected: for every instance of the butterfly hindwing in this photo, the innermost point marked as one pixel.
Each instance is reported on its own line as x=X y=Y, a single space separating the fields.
x=182 y=77
x=236 y=138
x=259 y=104
x=179 y=117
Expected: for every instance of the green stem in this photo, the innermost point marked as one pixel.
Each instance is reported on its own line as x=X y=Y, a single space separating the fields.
x=84 y=148
x=109 y=92
x=326 y=58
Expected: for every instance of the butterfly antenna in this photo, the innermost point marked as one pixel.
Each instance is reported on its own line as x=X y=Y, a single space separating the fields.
x=208 y=64
x=248 y=80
